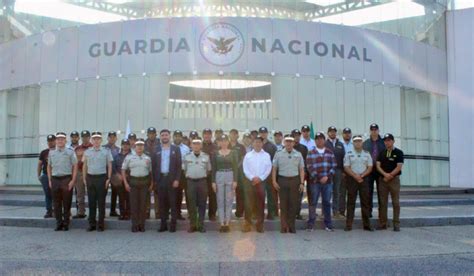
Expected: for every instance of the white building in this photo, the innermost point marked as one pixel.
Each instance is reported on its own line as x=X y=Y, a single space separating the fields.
x=406 y=65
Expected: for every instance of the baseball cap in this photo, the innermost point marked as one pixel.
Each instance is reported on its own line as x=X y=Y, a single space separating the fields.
x=388 y=136
x=319 y=134
x=85 y=133
x=374 y=126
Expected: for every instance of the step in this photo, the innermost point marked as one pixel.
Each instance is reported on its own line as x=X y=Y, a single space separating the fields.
x=405 y=201
x=410 y=217
x=37 y=190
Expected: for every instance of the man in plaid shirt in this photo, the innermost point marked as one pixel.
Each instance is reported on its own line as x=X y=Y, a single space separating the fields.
x=321 y=165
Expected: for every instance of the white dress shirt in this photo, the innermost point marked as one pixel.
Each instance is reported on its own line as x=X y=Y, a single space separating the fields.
x=257 y=164
x=310 y=144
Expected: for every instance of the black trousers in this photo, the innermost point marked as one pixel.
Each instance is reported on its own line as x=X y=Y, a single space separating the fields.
x=196 y=197
x=373 y=177
x=289 y=196
x=254 y=197
x=167 y=199
x=180 y=193
x=113 y=199
x=62 y=198
x=212 y=198
x=138 y=192
x=96 y=194
x=352 y=189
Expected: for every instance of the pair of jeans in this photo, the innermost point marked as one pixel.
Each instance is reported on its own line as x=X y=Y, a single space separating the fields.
x=326 y=191
x=225 y=195
x=48 y=198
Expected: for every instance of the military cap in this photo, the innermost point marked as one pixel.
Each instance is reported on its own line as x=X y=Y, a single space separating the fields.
x=85 y=133
x=50 y=137
x=96 y=134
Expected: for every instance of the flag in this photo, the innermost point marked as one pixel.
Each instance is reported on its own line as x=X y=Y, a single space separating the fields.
x=311 y=130
x=128 y=129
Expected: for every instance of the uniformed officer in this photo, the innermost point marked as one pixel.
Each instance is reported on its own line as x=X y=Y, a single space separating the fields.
x=74 y=140
x=210 y=148
x=97 y=171
x=239 y=192
x=43 y=175
x=296 y=133
x=193 y=135
x=80 y=186
x=389 y=164
x=115 y=181
x=278 y=139
x=62 y=170
x=288 y=180
x=151 y=145
x=181 y=190
x=139 y=167
x=124 y=195
x=271 y=193
x=218 y=133
x=197 y=166
x=357 y=166
x=247 y=142
x=132 y=138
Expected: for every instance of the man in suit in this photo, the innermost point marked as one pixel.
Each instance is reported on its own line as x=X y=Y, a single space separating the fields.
x=166 y=174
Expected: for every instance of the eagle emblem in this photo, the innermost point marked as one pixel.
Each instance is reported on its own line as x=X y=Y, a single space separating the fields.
x=222 y=46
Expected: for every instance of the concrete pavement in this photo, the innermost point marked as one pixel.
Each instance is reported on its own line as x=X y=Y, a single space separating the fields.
x=424 y=250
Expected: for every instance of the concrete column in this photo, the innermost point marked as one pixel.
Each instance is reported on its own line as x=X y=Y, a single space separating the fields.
x=3 y=136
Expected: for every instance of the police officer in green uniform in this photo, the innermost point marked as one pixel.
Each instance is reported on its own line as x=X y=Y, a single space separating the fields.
x=139 y=167
x=97 y=172
x=196 y=166
x=358 y=166
x=62 y=171
x=389 y=165
x=288 y=180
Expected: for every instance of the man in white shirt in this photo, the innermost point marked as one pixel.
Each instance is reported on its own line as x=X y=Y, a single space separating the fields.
x=257 y=167
x=306 y=140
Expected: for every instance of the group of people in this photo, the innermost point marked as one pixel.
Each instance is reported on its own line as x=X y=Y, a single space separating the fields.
x=210 y=173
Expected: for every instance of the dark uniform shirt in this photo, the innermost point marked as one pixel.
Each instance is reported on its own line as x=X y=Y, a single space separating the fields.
x=44 y=160
x=118 y=160
x=240 y=149
x=270 y=148
x=209 y=147
x=151 y=146
x=338 y=150
x=389 y=159
x=115 y=151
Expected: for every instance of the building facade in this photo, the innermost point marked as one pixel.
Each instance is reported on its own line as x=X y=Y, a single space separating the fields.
x=281 y=64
